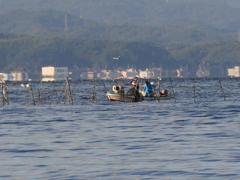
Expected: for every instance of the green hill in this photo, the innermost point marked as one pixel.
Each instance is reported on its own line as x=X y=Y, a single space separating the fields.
x=49 y=23
x=32 y=53
x=220 y=14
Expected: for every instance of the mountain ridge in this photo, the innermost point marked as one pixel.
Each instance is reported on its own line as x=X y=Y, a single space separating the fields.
x=50 y=23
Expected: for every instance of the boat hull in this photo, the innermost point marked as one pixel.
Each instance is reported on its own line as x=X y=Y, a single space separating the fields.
x=119 y=97
x=159 y=98
x=155 y=97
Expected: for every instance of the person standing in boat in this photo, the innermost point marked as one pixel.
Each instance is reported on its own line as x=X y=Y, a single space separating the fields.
x=148 y=89
x=134 y=83
x=135 y=89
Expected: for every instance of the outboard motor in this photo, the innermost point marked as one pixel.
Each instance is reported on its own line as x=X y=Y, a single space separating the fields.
x=118 y=89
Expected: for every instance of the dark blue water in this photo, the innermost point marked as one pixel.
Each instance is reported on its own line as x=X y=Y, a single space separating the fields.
x=196 y=136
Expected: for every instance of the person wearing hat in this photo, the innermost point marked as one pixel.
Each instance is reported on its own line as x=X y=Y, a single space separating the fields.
x=134 y=82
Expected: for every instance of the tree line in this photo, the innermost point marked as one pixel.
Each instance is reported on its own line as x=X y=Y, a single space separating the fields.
x=220 y=14
x=50 y=23
x=32 y=53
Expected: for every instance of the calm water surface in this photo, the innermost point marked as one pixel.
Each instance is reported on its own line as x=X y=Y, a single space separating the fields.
x=192 y=138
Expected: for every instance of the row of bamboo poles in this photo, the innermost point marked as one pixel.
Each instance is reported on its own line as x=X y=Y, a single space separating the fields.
x=66 y=94
x=56 y=96
x=38 y=97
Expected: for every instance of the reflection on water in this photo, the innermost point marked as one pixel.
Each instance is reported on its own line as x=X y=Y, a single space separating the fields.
x=116 y=140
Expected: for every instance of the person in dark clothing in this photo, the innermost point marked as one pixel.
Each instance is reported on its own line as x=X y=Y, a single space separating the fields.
x=134 y=83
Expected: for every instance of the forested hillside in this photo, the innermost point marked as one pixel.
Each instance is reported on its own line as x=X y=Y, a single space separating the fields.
x=220 y=14
x=80 y=33
x=49 y=23
x=215 y=53
x=32 y=53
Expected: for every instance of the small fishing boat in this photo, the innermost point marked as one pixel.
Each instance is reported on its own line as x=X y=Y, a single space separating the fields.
x=159 y=98
x=118 y=94
x=154 y=96
x=119 y=97
x=134 y=95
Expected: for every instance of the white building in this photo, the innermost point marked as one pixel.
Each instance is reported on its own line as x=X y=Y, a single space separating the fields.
x=146 y=74
x=51 y=73
x=6 y=77
x=203 y=71
x=234 y=72
x=19 y=76
x=14 y=76
x=107 y=74
x=129 y=73
x=182 y=72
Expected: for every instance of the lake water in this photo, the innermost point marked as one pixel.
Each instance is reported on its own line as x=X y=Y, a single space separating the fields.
x=187 y=138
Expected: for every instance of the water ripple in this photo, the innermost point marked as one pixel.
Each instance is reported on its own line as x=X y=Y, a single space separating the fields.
x=112 y=140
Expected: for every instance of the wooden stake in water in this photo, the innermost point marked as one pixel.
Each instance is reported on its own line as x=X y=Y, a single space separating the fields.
x=68 y=92
x=104 y=87
x=222 y=90
x=4 y=93
x=32 y=94
x=194 y=95
x=159 y=91
x=94 y=96
x=40 y=94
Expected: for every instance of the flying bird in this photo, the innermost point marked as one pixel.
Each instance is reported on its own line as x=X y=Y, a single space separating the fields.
x=117 y=58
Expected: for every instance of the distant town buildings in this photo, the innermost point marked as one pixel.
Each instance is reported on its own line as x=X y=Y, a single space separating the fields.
x=61 y=73
x=203 y=71
x=146 y=73
x=107 y=74
x=51 y=73
x=14 y=76
x=115 y=74
x=234 y=72
x=6 y=77
x=182 y=72
x=129 y=73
